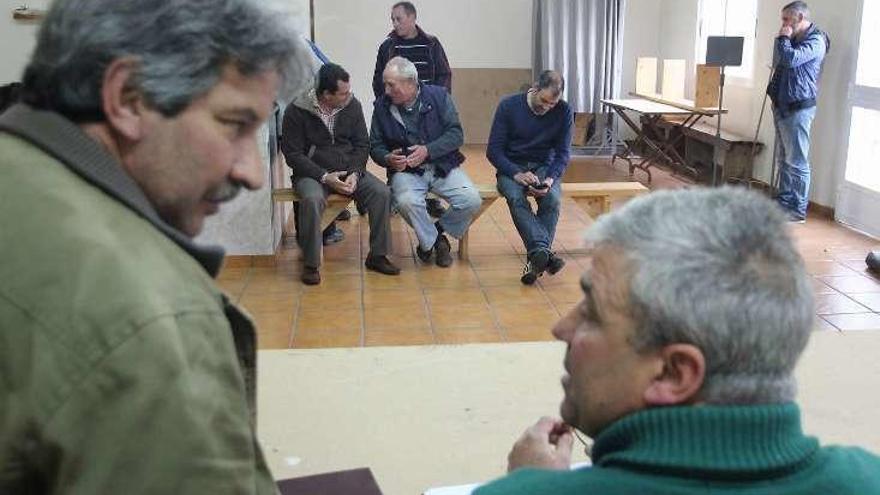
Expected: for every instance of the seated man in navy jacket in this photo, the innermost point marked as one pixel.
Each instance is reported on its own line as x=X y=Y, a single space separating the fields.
x=529 y=145
x=416 y=134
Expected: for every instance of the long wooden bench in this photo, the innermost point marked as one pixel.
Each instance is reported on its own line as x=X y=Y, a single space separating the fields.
x=593 y=197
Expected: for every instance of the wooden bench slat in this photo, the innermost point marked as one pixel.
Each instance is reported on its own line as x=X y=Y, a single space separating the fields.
x=593 y=197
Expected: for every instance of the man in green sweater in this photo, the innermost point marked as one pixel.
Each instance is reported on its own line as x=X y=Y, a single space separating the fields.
x=124 y=367
x=680 y=358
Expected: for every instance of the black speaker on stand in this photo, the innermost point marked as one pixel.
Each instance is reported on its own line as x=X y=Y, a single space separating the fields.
x=722 y=51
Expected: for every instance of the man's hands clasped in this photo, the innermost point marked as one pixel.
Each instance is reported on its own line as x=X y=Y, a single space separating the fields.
x=345 y=187
x=413 y=157
x=530 y=180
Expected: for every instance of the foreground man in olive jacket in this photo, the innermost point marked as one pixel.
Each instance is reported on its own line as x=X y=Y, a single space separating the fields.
x=123 y=368
x=679 y=363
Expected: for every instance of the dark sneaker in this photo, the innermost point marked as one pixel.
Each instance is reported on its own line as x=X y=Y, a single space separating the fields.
x=435 y=207
x=344 y=215
x=332 y=235
x=535 y=266
x=310 y=276
x=555 y=264
x=381 y=264
x=425 y=256
x=443 y=251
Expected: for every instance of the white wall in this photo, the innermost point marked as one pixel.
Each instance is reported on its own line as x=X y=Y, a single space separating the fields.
x=17 y=39
x=486 y=34
x=677 y=37
x=641 y=38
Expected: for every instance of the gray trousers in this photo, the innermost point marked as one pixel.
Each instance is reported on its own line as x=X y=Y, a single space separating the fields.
x=371 y=194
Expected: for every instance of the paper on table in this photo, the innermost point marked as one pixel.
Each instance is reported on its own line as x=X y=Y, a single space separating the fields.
x=469 y=489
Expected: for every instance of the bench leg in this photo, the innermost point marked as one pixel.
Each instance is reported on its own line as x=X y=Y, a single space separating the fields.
x=594 y=206
x=463 y=242
x=331 y=212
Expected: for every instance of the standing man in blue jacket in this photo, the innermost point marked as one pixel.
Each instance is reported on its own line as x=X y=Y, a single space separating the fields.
x=798 y=53
x=529 y=145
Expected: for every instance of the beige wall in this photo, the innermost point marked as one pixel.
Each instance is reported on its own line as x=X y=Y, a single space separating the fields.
x=17 y=39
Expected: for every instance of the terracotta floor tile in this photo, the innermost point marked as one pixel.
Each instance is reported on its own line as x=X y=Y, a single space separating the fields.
x=838 y=303
x=413 y=316
x=232 y=274
x=854 y=322
x=458 y=276
x=444 y=297
x=513 y=316
x=273 y=283
x=331 y=319
x=232 y=288
x=273 y=340
x=467 y=335
x=461 y=316
x=374 y=298
x=855 y=284
x=341 y=267
x=820 y=287
x=496 y=262
x=519 y=294
x=570 y=275
x=871 y=300
x=508 y=277
x=377 y=281
x=334 y=283
x=331 y=300
x=400 y=336
x=563 y=308
x=269 y=302
x=564 y=293
x=528 y=334
x=311 y=339
x=273 y=322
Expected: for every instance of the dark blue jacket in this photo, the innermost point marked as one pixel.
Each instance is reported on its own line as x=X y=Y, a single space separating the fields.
x=798 y=63
x=436 y=123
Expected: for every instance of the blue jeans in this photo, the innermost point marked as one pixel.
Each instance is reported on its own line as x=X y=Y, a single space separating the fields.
x=792 y=152
x=456 y=188
x=537 y=230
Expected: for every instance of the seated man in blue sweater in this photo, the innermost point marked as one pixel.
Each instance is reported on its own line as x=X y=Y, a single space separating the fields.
x=529 y=145
x=680 y=358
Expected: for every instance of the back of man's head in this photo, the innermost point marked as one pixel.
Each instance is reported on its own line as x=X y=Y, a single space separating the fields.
x=180 y=47
x=407 y=7
x=715 y=268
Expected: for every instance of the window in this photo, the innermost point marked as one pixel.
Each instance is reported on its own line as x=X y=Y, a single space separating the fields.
x=729 y=18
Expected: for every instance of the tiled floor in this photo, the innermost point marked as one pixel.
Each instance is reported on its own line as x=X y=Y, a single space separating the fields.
x=482 y=300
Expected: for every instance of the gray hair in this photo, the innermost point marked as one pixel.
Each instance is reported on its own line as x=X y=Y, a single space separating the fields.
x=715 y=268
x=798 y=7
x=403 y=68
x=180 y=46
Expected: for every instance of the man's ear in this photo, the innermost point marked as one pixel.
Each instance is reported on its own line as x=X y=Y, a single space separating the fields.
x=123 y=106
x=681 y=377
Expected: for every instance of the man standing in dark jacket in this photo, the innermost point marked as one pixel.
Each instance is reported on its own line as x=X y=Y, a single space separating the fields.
x=416 y=134
x=407 y=40
x=799 y=50
x=325 y=142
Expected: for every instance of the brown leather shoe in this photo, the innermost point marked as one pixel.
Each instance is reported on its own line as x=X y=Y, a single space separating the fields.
x=381 y=264
x=310 y=276
x=442 y=251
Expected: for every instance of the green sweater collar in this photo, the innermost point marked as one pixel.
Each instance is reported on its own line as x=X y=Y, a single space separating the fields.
x=734 y=442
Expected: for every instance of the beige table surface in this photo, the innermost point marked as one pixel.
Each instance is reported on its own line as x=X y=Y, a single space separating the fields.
x=429 y=416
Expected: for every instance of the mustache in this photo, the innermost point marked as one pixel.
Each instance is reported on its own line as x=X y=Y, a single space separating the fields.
x=227 y=191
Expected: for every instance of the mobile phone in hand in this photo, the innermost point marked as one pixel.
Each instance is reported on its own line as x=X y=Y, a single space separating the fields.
x=343 y=176
x=540 y=186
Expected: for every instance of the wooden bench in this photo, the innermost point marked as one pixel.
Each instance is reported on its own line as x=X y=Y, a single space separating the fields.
x=593 y=197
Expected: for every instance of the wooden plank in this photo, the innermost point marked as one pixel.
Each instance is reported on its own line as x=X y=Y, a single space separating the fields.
x=594 y=189
x=708 y=86
x=684 y=104
x=673 y=79
x=646 y=75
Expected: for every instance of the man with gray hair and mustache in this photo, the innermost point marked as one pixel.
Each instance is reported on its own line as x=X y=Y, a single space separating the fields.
x=680 y=357
x=125 y=368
